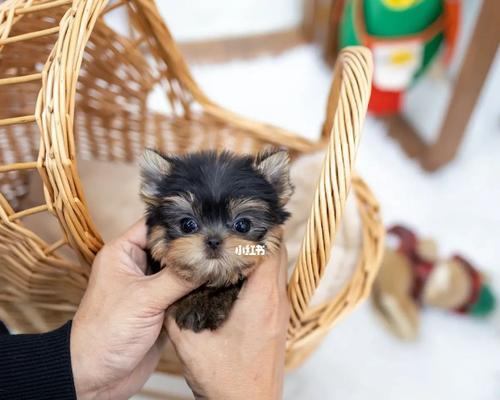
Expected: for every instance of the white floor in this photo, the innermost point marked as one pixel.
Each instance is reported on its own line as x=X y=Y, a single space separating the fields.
x=455 y=358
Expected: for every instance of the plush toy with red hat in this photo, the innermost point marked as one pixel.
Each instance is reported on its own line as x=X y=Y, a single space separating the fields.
x=412 y=277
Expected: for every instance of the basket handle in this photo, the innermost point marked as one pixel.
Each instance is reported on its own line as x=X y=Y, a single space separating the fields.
x=346 y=109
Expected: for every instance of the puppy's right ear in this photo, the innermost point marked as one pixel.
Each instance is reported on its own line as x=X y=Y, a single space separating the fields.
x=154 y=166
x=274 y=165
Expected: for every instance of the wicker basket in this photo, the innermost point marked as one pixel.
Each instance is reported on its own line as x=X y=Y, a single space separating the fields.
x=71 y=86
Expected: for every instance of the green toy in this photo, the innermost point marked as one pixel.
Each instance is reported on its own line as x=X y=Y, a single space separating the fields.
x=404 y=36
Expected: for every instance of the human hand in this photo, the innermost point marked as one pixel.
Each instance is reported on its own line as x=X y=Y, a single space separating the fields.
x=115 y=337
x=244 y=358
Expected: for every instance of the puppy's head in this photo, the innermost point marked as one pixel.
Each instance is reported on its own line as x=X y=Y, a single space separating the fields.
x=207 y=212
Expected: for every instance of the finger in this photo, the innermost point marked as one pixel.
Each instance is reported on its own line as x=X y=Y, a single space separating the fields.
x=133 y=242
x=173 y=330
x=125 y=255
x=271 y=269
x=283 y=276
x=271 y=273
x=138 y=257
x=174 y=333
x=166 y=287
x=136 y=234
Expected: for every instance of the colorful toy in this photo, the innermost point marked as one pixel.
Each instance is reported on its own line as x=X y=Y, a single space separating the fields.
x=404 y=36
x=412 y=277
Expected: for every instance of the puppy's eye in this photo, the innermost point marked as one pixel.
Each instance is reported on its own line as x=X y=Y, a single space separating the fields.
x=242 y=225
x=189 y=225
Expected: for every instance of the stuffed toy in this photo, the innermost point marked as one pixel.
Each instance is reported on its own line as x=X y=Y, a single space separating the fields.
x=412 y=277
x=404 y=36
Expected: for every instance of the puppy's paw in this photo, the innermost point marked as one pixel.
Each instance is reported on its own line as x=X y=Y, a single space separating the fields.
x=205 y=307
x=189 y=319
x=198 y=319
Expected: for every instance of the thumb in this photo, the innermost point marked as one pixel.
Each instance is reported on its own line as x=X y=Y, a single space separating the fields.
x=166 y=287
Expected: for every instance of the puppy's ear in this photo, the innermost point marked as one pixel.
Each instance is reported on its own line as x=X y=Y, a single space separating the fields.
x=154 y=166
x=274 y=165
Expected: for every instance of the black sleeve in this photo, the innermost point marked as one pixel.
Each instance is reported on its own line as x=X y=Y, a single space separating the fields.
x=37 y=366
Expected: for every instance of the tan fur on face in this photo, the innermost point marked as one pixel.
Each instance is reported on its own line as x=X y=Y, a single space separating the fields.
x=184 y=202
x=148 y=198
x=238 y=206
x=187 y=256
x=273 y=240
x=157 y=242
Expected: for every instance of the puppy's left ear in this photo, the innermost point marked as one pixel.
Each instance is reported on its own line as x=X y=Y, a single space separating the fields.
x=154 y=167
x=274 y=165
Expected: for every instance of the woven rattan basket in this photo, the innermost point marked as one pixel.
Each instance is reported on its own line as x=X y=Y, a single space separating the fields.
x=71 y=86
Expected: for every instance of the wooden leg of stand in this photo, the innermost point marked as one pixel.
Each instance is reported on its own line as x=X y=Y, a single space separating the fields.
x=478 y=59
x=407 y=137
x=331 y=43
x=310 y=19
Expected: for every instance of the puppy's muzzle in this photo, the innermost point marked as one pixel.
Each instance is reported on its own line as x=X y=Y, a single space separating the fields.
x=214 y=243
x=213 y=246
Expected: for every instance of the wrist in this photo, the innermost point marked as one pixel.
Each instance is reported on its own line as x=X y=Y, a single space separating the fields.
x=86 y=384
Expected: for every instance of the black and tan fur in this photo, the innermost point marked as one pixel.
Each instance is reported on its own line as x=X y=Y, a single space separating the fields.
x=217 y=191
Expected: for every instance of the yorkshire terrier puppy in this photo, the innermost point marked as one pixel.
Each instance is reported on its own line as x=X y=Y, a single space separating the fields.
x=210 y=217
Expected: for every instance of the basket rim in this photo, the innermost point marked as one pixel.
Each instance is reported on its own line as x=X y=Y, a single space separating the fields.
x=346 y=107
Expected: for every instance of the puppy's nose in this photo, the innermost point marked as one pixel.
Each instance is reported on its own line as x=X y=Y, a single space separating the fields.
x=213 y=243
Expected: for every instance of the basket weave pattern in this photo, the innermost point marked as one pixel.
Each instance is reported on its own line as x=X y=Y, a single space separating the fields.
x=72 y=87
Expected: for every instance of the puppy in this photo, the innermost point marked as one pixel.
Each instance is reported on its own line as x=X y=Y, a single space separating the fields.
x=211 y=217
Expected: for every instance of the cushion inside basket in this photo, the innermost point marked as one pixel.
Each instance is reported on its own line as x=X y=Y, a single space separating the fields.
x=111 y=190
